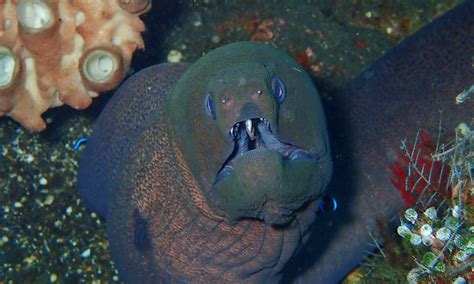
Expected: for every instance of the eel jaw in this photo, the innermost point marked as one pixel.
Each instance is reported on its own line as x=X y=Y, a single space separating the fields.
x=255 y=134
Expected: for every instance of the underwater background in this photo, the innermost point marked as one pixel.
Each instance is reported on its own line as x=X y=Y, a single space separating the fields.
x=47 y=234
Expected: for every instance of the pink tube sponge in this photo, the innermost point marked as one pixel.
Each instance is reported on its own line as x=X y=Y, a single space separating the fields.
x=55 y=52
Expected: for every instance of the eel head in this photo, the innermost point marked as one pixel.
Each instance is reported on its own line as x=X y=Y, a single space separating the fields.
x=258 y=142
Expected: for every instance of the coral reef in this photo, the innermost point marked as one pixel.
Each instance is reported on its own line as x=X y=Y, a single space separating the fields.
x=63 y=52
x=437 y=229
x=445 y=228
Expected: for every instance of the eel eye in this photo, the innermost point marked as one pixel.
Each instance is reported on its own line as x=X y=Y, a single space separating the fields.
x=279 y=89
x=209 y=105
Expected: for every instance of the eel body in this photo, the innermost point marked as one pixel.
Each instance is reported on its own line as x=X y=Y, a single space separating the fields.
x=210 y=172
x=213 y=172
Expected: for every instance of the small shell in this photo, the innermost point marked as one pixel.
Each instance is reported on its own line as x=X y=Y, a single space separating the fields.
x=427 y=240
x=426 y=230
x=443 y=234
x=459 y=280
x=404 y=231
x=431 y=213
x=415 y=239
x=457 y=212
x=411 y=215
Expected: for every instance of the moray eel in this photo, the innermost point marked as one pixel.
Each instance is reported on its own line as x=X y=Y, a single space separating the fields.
x=211 y=172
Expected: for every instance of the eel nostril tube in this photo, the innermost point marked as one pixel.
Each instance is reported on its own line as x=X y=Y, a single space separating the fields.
x=8 y=68
x=101 y=68
x=34 y=15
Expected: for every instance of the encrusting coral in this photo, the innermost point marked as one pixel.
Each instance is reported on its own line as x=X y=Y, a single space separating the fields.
x=55 y=52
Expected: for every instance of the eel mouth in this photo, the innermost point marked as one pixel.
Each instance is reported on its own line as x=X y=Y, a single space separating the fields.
x=253 y=135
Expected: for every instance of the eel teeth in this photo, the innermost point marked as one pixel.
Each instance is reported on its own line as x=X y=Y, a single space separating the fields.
x=234 y=131
x=249 y=128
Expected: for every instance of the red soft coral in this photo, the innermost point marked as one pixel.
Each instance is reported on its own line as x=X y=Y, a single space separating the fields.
x=426 y=177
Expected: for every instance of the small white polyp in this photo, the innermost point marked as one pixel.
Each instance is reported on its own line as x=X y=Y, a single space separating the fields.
x=99 y=66
x=34 y=14
x=7 y=67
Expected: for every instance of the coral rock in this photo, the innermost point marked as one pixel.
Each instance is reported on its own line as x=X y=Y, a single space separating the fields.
x=55 y=52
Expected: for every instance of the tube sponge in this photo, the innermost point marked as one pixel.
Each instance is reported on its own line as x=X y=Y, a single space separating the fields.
x=55 y=52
